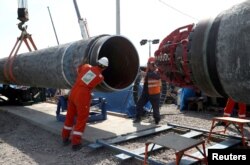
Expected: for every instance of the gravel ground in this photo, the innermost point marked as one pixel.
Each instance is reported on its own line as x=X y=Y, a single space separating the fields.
x=23 y=143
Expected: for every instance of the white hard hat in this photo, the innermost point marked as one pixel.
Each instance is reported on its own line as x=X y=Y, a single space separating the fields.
x=103 y=61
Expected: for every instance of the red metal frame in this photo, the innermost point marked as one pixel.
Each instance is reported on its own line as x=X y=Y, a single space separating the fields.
x=180 y=154
x=173 y=68
x=8 y=66
x=238 y=123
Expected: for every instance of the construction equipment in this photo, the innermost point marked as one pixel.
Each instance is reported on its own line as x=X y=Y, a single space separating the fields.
x=20 y=94
x=22 y=13
x=98 y=111
x=24 y=37
x=56 y=67
x=212 y=55
x=82 y=22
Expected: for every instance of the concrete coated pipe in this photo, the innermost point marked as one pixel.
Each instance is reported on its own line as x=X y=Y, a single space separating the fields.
x=220 y=54
x=213 y=55
x=55 y=67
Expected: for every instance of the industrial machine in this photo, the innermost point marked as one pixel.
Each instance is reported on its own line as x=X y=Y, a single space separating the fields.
x=212 y=55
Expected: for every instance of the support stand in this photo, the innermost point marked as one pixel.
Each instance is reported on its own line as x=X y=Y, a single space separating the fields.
x=237 y=122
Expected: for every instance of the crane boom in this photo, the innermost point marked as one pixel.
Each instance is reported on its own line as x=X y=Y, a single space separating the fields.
x=82 y=23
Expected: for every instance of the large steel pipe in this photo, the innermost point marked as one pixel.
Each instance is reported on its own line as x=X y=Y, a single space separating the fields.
x=213 y=55
x=56 y=66
x=220 y=54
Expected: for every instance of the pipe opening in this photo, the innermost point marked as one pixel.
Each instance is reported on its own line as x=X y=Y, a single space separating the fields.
x=123 y=63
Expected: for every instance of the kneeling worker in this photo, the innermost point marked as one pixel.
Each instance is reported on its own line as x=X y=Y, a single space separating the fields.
x=79 y=102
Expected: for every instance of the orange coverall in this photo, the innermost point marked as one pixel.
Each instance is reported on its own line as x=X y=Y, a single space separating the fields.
x=229 y=108
x=79 y=102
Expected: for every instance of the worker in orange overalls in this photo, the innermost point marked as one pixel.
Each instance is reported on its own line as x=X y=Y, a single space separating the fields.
x=150 y=92
x=229 y=108
x=79 y=102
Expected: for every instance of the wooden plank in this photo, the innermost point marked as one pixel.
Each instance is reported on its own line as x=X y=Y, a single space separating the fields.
x=190 y=134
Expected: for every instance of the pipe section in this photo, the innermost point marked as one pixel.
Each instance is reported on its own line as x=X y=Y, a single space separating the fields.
x=222 y=44
x=214 y=56
x=55 y=67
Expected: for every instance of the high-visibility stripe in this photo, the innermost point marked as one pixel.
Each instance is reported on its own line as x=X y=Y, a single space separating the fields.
x=158 y=82
x=67 y=128
x=227 y=114
x=153 y=81
x=153 y=85
x=242 y=115
x=77 y=133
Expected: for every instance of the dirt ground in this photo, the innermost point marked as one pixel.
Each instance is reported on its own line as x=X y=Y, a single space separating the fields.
x=25 y=144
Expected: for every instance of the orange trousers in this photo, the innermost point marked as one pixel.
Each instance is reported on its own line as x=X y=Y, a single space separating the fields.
x=78 y=113
x=229 y=108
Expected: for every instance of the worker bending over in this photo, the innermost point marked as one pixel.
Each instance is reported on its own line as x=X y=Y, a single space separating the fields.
x=229 y=109
x=79 y=102
x=151 y=92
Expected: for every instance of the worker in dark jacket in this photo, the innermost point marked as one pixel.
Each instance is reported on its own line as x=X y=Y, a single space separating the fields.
x=79 y=102
x=151 y=92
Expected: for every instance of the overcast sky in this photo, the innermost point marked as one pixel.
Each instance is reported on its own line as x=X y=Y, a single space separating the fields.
x=140 y=19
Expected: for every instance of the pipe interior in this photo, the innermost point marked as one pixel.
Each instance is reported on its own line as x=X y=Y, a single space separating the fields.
x=123 y=62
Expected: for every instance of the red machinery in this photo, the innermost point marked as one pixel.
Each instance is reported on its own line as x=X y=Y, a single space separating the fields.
x=213 y=55
x=172 y=57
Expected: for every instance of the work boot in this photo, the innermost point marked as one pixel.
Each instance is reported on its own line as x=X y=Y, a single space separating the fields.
x=66 y=142
x=157 y=121
x=77 y=147
x=137 y=120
